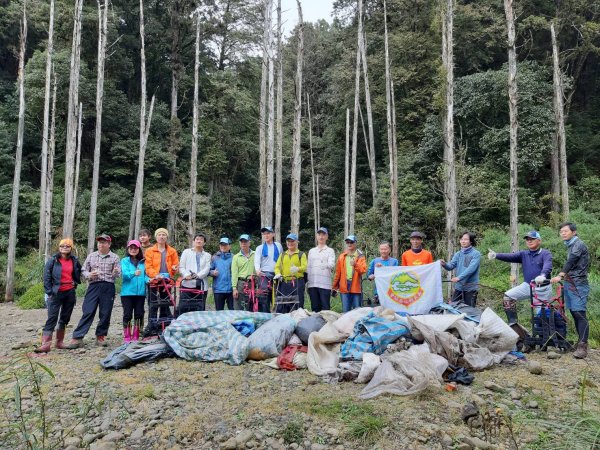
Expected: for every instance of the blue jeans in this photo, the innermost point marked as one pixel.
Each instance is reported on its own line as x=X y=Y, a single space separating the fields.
x=350 y=301
x=576 y=296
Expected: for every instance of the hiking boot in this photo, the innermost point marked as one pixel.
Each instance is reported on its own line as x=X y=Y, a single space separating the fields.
x=101 y=341
x=75 y=343
x=581 y=351
x=46 y=344
x=60 y=339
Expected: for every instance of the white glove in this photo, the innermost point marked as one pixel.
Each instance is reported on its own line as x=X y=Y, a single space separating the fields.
x=294 y=270
x=491 y=254
x=540 y=279
x=277 y=277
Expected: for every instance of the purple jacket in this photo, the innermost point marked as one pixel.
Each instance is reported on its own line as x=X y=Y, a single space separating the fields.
x=534 y=263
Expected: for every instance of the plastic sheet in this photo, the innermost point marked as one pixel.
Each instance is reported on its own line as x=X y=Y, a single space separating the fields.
x=370 y=364
x=133 y=353
x=372 y=334
x=271 y=338
x=495 y=334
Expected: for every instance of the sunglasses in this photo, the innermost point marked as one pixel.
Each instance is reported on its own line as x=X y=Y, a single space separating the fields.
x=64 y=246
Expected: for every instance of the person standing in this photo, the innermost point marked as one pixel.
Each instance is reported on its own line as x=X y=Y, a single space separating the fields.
x=350 y=267
x=321 y=263
x=145 y=237
x=133 y=291
x=162 y=263
x=194 y=266
x=466 y=264
x=62 y=274
x=242 y=267
x=576 y=286
x=384 y=260
x=416 y=255
x=265 y=258
x=289 y=270
x=101 y=268
x=220 y=270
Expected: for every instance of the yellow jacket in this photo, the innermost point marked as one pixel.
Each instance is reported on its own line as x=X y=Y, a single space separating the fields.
x=285 y=262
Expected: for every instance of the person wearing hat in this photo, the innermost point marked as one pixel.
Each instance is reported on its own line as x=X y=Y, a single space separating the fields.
x=62 y=274
x=537 y=266
x=101 y=268
x=416 y=255
x=162 y=262
x=576 y=284
x=133 y=291
x=194 y=266
x=384 y=260
x=351 y=266
x=265 y=258
x=220 y=270
x=465 y=263
x=242 y=267
x=321 y=263
x=290 y=268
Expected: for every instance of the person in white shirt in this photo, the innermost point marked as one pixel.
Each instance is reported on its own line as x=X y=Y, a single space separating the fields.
x=321 y=263
x=265 y=258
x=193 y=267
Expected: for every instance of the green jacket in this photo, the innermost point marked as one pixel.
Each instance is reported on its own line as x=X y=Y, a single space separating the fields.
x=241 y=267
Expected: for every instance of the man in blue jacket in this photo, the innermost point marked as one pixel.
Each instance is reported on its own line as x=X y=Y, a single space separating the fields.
x=466 y=263
x=220 y=270
x=537 y=266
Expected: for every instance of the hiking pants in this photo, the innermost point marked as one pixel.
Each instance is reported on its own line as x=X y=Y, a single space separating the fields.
x=60 y=308
x=100 y=295
x=221 y=299
x=133 y=306
x=320 y=299
x=466 y=297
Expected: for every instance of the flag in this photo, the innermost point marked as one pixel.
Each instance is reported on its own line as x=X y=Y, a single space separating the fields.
x=410 y=290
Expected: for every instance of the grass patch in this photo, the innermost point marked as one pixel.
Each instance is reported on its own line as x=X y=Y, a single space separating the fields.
x=33 y=298
x=293 y=431
x=145 y=391
x=367 y=427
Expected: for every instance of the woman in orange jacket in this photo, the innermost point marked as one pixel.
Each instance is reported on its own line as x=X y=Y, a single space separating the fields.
x=350 y=267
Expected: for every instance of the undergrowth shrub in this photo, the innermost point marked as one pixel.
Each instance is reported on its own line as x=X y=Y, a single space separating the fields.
x=33 y=298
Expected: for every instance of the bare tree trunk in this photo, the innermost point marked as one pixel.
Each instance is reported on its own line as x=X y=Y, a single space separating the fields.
x=72 y=121
x=14 y=208
x=318 y=204
x=279 y=129
x=371 y=146
x=312 y=167
x=102 y=32
x=352 y=205
x=270 y=129
x=50 y=185
x=347 y=176
x=262 y=142
x=296 y=151
x=555 y=176
x=194 y=156
x=44 y=175
x=77 y=162
x=391 y=136
x=450 y=201
x=559 y=115
x=514 y=125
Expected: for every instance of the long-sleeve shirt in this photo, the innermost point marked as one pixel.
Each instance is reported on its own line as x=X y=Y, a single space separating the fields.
x=192 y=261
x=287 y=260
x=321 y=264
x=390 y=262
x=466 y=264
x=578 y=261
x=266 y=263
x=534 y=263
x=108 y=267
x=242 y=267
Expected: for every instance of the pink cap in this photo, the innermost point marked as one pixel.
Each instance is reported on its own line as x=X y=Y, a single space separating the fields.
x=134 y=242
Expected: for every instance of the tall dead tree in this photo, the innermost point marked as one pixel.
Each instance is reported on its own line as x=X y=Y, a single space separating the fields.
x=135 y=220
x=559 y=118
x=450 y=200
x=391 y=137
x=44 y=174
x=296 y=150
x=77 y=160
x=72 y=122
x=312 y=167
x=102 y=32
x=352 y=202
x=195 y=119
x=347 y=176
x=14 y=208
x=371 y=146
x=279 y=128
x=270 y=127
x=514 y=125
x=50 y=183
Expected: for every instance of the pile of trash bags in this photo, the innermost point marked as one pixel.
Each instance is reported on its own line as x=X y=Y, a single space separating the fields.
x=392 y=354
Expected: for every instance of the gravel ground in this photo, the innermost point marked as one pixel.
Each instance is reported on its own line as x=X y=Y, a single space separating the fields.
x=175 y=404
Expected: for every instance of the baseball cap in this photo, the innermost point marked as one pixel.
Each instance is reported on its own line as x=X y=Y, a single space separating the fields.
x=323 y=230
x=351 y=237
x=225 y=241
x=104 y=237
x=291 y=237
x=269 y=229
x=244 y=237
x=134 y=242
x=417 y=234
x=532 y=235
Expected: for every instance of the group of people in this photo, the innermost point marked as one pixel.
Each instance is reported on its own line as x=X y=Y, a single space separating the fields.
x=292 y=270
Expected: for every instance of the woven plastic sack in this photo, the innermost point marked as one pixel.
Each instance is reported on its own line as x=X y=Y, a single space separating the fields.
x=271 y=338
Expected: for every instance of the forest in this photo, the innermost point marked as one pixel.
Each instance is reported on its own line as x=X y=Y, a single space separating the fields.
x=200 y=101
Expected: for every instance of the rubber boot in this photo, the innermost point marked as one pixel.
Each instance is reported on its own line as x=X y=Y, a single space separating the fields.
x=581 y=351
x=60 y=339
x=46 y=344
x=127 y=334
x=136 y=333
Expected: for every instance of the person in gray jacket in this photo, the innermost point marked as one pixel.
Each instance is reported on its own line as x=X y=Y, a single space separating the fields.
x=465 y=263
x=576 y=286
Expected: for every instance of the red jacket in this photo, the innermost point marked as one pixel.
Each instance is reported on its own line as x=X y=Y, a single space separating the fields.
x=360 y=268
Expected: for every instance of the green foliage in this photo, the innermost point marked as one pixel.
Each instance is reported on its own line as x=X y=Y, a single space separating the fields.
x=293 y=431
x=33 y=298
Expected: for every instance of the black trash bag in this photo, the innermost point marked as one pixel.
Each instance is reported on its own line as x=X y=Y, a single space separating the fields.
x=308 y=325
x=458 y=375
x=128 y=355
